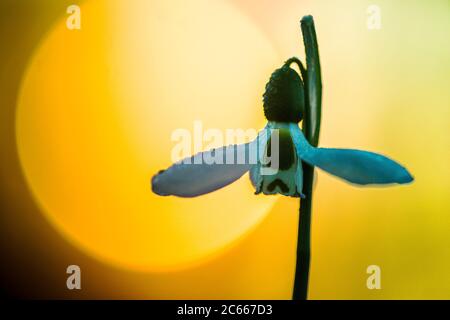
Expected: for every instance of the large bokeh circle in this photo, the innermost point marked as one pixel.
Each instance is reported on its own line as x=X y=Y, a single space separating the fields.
x=96 y=113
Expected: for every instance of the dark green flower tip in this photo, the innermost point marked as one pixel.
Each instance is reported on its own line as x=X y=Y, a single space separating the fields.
x=284 y=99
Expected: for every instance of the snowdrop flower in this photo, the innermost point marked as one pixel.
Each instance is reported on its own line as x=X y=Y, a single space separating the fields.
x=284 y=104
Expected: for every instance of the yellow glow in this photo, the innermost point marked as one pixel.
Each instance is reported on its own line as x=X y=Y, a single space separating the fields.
x=95 y=116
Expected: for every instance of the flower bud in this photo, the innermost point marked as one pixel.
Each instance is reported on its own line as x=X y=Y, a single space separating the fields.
x=284 y=98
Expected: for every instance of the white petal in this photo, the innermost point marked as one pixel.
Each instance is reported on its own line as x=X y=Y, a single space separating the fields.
x=199 y=175
x=356 y=166
x=287 y=181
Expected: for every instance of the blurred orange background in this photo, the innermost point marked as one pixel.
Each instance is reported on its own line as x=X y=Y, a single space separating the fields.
x=87 y=117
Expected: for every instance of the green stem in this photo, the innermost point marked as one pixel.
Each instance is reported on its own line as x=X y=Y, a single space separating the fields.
x=313 y=83
x=311 y=128
x=304 y=237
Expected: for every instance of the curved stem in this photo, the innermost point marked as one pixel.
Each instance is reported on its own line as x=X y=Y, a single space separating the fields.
x=299 y=64
x=311 y=127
